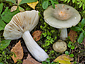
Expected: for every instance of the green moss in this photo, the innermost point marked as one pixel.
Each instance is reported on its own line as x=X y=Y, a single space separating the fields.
x=49 y=34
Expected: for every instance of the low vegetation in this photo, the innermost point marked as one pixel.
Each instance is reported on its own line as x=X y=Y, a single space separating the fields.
x=75 y=49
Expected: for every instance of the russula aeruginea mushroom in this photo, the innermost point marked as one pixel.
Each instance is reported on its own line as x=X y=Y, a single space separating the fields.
x=20 y=26
x=62 y=17
x=60 y=46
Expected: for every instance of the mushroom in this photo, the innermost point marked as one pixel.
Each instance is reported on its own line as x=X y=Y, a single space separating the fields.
x=20 y=26
x=62 y=17
x=60 y=46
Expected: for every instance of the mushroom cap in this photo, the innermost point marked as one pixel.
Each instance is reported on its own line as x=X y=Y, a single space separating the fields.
x=21 y=22
x=63 y=16
x=60 y=46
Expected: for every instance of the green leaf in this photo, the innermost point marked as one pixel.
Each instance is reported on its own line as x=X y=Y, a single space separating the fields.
x=83 y=14
x=44 y=62
x=76 y=28
x=83 y=1
x=47 y=60
x=27 y=1
x=45 y=4
x=70 y=42
x=83 y=23
x=2 y=25
x=72 y=47
x=66 y=52
x=69 y=45
x=80 y=38
x=52 y=3
x=83 y=6
x=48 y=37
x=75 y=62
x=71 y=55
x=80 y=5
x=1 y=28
x=65 y=0
x=1 y=59
x=1 y=7
x=84 y=34
x=73 y=1
x=68 y=1
x=56 y=2
x=13 y=1
x=4 y=44
x=1 y=63
x=7 y=15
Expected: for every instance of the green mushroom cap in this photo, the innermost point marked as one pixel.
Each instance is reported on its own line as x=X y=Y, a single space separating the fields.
x=63 y=16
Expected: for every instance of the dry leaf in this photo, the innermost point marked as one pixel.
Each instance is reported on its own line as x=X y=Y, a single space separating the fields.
x=33 y=4
x=63 y=59
x=73 y=35
x=19 y=1
x=21 y=9
x=18 y=50
x=13 y=8
x=30 y=60
x=36 y=35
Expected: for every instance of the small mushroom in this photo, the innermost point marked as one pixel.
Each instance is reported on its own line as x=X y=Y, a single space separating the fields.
x=62 y=17
x=60 y=46
x=20 y=26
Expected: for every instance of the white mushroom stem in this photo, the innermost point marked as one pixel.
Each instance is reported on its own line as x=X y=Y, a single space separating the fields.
x=37 y=52
x=63 y=33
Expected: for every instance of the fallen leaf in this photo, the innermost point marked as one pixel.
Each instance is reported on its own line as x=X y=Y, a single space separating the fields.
x=18 y=50
x=21 y=9
x=73 y=35
x=63 y=59
x=36 y=35
x=13 y=8
x=30 y=60
x=33 y=4
x=19 y=1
